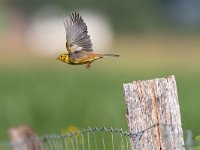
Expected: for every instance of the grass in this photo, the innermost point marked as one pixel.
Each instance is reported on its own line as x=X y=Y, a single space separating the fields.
x=52 y=99
x=52 y=96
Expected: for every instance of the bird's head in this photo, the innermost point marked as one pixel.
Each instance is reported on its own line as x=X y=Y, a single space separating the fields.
x=63 y=57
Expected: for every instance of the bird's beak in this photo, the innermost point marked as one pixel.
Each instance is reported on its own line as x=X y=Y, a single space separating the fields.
x=58 y=58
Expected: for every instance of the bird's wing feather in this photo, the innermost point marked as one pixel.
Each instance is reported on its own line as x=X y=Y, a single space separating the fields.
x=76 y=34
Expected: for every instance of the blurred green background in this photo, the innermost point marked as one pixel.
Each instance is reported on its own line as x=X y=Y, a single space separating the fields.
x=154 y=38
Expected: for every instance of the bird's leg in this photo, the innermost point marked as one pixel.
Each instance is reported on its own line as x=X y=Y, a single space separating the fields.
x=88 y=65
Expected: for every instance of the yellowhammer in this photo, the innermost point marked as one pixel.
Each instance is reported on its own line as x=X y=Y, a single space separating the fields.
x=78 y=43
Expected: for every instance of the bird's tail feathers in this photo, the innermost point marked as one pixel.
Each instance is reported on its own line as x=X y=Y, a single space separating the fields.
x=112 y=55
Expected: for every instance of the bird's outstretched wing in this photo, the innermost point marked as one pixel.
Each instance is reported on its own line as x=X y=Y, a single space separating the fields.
x=76 y=34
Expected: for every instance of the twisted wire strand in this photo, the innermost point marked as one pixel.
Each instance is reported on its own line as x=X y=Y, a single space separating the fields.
x=57 y=141
x=52 y=139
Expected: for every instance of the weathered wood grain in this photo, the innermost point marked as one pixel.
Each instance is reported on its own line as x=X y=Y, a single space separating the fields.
x=152 y=107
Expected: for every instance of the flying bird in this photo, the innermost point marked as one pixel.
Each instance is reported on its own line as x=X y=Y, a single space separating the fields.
x=78 y=43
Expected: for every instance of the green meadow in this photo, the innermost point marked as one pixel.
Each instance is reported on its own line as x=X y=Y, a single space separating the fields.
x=51 y=96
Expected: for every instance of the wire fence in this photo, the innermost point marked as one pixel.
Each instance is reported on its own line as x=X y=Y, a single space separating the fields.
x=88 y=139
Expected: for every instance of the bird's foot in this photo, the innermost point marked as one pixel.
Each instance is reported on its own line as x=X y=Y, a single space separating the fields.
x=88 y=65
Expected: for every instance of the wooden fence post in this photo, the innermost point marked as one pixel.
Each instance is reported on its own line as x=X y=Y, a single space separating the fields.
x=153 y=114
x=23 y=138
